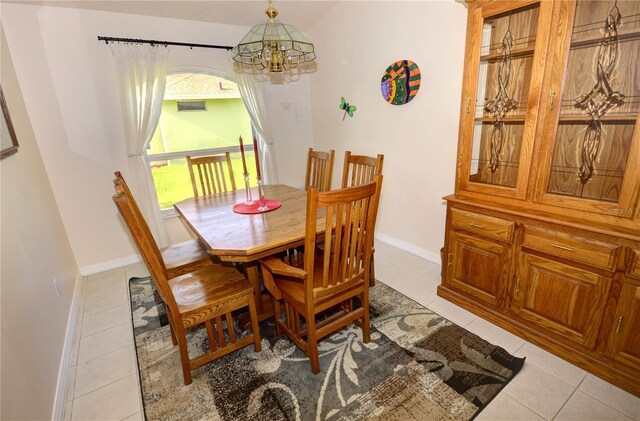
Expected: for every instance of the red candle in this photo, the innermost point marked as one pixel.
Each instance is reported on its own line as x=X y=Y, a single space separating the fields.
x=255 y=151
x=244 y=161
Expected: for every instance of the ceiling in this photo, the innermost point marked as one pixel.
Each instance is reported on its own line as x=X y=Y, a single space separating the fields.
x=301 y=14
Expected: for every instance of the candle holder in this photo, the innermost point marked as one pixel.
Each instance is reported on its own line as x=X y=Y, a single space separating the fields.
x=249 y=198
x=262 y=205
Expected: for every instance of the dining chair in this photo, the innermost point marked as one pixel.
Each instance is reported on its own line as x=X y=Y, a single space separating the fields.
x=203 y=296
x=179 y=258
x=329 y=278
x=211 y=174
x=360 y=169
x=319 y=170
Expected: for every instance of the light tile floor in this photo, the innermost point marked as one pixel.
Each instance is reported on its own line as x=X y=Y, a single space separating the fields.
x=104 y=384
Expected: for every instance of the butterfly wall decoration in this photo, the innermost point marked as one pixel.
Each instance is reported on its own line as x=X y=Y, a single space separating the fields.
x=348 y=108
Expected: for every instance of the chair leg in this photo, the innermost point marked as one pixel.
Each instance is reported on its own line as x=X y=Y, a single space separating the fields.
x=277 y=315
x=210 y=335
x=366 y=323
x=312 y=343
x=372 y=273
x=254 y=323
x=173 y=333
x=184 y=354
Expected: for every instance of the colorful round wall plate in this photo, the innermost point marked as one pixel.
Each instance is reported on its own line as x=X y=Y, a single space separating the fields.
x=400 y=82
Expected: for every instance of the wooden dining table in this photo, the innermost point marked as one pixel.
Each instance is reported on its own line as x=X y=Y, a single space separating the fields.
x=243 y=238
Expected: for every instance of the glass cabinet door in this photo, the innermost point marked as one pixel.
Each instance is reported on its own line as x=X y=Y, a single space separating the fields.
x=594 y=155
x=500 y=112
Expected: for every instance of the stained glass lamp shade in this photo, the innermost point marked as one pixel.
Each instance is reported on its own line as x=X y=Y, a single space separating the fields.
x=273 y=45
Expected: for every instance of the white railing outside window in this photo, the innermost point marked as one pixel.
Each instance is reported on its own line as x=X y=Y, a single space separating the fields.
x=184 y=180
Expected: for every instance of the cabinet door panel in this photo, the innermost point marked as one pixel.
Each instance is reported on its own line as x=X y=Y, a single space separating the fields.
x=591 y=132
x=625 y=338
x=507 y=45
x=563 y=299
x=477 y=267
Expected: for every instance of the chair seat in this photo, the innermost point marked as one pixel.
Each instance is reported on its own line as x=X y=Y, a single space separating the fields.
x=213 y=286
x=185 y=254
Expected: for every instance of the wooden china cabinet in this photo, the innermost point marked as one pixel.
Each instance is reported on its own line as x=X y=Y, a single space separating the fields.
x=543 y=231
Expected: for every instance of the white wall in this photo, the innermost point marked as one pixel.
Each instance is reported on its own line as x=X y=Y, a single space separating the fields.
x=290 y=119
x=355 y=42
x=34 y=250
x=68 y=82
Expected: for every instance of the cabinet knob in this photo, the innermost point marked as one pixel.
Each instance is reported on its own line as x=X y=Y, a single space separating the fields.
x=552 y=97
x=473 y=224
x=619 y=324
x=558 y=246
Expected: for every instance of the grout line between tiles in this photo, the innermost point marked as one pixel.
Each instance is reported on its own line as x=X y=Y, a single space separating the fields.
x=69 y=402
x=94 y=294
x=109 y=353
x=103 y=386
x=112 y=327
x=75 y=377
x=553 y=374
x=106 y=328
x=559 y=379
x=524 y=404
x=601 y=401
x=520 y=347
x=91 y=359
x=105 y=309
x=565 y=402
x=131 y=415
x=427 y=305
x=111 y=307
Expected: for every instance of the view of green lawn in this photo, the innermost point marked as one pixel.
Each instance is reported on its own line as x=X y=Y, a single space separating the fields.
x=173 y=183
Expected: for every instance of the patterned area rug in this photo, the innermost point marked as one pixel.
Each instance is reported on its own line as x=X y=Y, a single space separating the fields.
x=418 y=366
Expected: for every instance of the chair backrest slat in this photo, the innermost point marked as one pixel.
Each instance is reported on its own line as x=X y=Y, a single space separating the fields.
x=146 y=246
x=350 y=216
x=319 y=170
x=211 y=174
x=360 y=169
x=120 y=182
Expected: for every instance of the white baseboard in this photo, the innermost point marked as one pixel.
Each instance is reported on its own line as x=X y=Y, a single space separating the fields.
x=67 y=351
x=409 y=248
x=111 y=264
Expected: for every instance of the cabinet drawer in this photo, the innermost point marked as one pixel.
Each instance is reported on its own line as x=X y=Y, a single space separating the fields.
x=573 y=247
x=487 y=226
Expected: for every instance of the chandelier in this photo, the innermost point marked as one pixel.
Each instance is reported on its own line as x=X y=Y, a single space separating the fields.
x=273 y=45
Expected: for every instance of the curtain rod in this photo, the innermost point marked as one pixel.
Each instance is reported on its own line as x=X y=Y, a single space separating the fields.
x=165 y=43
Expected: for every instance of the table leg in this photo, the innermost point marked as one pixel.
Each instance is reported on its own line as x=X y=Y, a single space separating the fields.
x=252 y=270
x=264 y=304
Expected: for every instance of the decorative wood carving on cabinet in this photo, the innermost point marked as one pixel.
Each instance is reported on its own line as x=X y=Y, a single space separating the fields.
x=543 y=230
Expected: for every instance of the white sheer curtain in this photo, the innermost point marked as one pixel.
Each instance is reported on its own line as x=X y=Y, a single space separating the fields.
x=141 y=72
x=253 y=96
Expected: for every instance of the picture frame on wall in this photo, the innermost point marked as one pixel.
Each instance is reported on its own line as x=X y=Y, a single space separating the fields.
x=8 y=139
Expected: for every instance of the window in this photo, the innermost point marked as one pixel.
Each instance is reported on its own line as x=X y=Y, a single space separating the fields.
x=215 y=119
x=192 y=106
